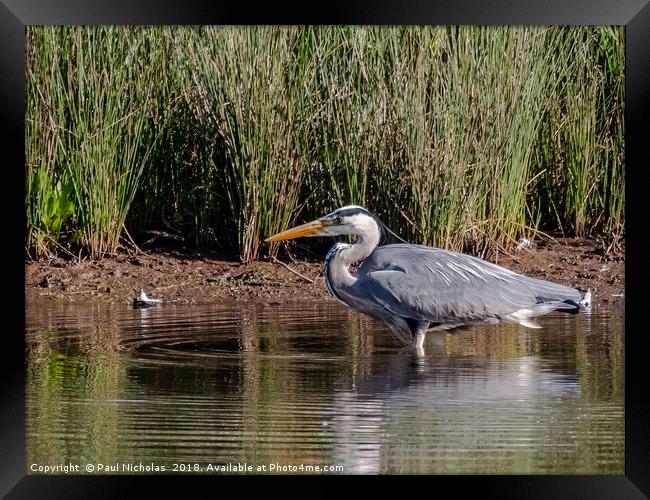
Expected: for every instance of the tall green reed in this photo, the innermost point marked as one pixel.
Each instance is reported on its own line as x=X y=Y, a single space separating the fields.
x=440 y=122
x=251 y=85
x=95 y=95
x=109 y=85
x=462 y=137
x=178 y=189
x=581 y=144
x=48 y=196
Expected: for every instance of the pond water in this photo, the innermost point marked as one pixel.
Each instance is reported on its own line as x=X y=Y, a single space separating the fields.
x=303 y=385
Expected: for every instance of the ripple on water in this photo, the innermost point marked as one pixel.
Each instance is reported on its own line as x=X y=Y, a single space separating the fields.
x=318 y=384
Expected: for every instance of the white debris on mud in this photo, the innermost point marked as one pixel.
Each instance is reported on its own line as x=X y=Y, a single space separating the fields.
x=142 y=300
x=524 y=244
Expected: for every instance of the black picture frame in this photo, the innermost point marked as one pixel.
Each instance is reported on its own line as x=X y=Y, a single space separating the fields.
x=634 y=14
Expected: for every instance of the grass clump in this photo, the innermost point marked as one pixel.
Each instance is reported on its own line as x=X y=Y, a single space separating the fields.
x=462 y=137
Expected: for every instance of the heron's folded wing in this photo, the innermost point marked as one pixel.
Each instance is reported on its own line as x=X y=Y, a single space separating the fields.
x=437 y=285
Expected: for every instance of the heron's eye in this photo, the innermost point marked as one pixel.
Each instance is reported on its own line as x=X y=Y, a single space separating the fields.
x=338 y=220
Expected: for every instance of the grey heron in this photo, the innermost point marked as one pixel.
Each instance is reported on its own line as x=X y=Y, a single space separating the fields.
x=412 y=288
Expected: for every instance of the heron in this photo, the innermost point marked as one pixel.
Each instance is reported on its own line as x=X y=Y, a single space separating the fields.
x=415 y=288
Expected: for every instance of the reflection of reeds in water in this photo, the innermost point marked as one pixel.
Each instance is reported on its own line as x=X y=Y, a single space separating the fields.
x=360 y=347
x=84 y=361
x=252 y=380
x=88 y=329
x=601 y=364
x=281 y=384
x=501 y=340
x=283 y=404
x=57 y=430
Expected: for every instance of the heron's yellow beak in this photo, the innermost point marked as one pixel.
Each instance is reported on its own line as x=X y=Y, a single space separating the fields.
x=310 y=229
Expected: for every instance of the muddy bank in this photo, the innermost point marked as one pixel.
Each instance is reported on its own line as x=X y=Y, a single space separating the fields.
x=200 y=278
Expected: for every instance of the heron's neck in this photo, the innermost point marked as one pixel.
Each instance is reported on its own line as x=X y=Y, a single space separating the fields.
x=342 y=256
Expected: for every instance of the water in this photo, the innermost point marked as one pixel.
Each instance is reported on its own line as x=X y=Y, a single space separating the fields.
x=182 y=387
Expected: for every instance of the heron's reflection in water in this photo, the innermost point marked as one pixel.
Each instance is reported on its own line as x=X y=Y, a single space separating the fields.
x=431 y=409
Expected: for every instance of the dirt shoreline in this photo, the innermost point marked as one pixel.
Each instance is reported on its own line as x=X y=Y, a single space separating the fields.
x=187 y=277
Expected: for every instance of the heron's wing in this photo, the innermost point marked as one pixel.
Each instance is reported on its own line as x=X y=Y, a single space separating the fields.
x=440 y=286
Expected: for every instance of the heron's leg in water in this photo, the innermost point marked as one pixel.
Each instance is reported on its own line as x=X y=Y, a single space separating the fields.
x=418 y=331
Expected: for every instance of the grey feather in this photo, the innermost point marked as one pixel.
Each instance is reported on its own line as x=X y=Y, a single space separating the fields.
x=449 y=288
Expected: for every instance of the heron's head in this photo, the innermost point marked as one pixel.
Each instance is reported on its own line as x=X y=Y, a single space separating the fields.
x=352 y=220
